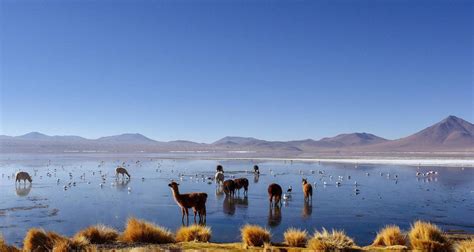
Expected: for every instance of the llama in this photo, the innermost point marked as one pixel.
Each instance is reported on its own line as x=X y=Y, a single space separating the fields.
x=123 y=171
x=242 y=182
x=197 y=201
x=256 y=170
x=307 y=190
x=219 y=168
x=274 y=192
x=229 y=187
x=23 y=176
x=219 y=177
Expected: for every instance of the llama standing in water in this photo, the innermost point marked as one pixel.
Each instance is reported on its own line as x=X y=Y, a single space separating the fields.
x=196 y=201
x=307 y=190
x=123 y=171
x=256 y=170
x=229 y=188
x=274 y=193
x=23 y=176
x=219 y=177
x=242 y=183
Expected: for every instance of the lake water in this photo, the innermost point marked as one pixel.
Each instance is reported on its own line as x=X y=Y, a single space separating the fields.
x=446 y=199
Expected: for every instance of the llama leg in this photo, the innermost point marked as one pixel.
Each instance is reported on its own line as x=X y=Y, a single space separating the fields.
x=187 y=216
x=183 y=212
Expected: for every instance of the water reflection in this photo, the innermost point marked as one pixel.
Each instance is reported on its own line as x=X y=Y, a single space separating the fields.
x=307 y=210
x=274 y=216
x=228 y=205
x=256 y=177
x=23 y=189
x=241 y=201
x=122 y=184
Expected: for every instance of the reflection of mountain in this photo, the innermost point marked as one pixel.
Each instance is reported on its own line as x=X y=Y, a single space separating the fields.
x=452 y=134
x=23 y=189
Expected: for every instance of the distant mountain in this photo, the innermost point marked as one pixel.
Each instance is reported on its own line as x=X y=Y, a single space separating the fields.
x=127 y=138
x=234 y=141
x=452 y=133
x=34 y=136
x=354 y=139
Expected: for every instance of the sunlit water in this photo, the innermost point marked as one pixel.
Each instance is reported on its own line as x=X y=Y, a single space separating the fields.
x=446 y=199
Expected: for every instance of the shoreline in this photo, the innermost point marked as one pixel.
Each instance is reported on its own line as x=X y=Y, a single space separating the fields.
x=356 y=160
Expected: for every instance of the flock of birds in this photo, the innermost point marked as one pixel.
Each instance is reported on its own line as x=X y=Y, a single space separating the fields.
x=102 y=172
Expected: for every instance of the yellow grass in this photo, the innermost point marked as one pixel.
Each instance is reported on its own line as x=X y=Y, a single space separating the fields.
x=6 y=248
x=145 y=232
x=98 y=234
x=295 y=237
x=427 y=237
x=254 y=235
x=193 y=233
x=40 y=240
x=465 y=246
x=329 y=241
x=390 y=236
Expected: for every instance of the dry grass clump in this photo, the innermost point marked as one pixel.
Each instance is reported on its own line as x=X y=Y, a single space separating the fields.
x=40 y=240
x=390 y=236
x=98 y=234
x=193 y=233
x=146 y=232
x=427 y=237
x=295 y=237
x=465 y=246
x=254 y=235
x=6 y=248
x=330 y=241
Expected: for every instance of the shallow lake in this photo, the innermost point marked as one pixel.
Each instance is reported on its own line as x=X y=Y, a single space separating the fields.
x=388 y=194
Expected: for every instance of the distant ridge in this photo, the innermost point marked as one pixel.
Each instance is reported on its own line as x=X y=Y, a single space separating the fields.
x=452 y=134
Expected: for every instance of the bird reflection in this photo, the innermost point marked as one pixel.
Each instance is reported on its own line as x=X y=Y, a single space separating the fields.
x=307 y=210
x=274 y=216
x=23 y=189
x=229 y=205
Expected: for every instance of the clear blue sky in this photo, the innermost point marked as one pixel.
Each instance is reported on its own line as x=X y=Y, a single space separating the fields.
x=201 y=70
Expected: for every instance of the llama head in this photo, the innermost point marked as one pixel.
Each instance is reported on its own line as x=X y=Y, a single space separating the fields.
x=304 y=181
x=173 y=185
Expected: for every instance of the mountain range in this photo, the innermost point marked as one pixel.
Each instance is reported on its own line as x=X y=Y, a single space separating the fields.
x=452 y=134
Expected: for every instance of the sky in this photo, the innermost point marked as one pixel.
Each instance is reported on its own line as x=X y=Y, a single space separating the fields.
x=202 y=70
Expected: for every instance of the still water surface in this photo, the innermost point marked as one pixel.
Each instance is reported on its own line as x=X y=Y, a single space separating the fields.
x=389 y=194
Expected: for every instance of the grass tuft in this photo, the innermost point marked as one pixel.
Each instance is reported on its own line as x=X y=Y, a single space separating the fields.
x=4 y=247
x=465 y=246
x=329 y=241
x=193 y=233
x=254 y=235
x=427 y=237
x=40 y=240
x=146 y=232
x=98 y=234
x=390 y=236
x=296 y=237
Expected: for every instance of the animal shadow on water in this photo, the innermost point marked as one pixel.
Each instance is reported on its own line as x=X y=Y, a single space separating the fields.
x=307 y=210
x=229 y=205
x=219 y=191
x=23 y=190
x=274 y=216
x=244 y=202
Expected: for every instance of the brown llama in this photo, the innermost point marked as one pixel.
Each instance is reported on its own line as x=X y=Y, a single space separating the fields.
x=242 y=183
x=23 y=176
x=121 y=170
x=196 y=201
x=307 y=190
x=274 y=193
x=229 y=187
